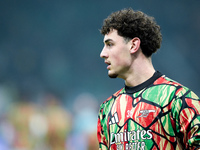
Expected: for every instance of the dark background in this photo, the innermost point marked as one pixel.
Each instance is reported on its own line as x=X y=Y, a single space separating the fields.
x=54 y=46
x=50 y=47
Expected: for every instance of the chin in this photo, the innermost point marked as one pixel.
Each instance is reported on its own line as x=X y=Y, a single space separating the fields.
x=113 y=75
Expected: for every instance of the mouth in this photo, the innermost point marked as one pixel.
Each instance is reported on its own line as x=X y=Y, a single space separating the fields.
x=109 y=64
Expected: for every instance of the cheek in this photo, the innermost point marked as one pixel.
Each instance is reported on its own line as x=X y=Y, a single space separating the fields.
x=117 y=59
x=121 y=61
x=121 y=57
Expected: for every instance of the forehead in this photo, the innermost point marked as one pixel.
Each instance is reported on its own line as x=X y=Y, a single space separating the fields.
x=112 y=36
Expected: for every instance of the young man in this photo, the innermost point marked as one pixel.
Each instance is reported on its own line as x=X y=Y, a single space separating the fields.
x=152 y=112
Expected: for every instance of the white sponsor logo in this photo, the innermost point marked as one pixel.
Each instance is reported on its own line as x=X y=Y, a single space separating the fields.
x=114 y=119
x=145 y=113
x=133 y=137
x=130 y=113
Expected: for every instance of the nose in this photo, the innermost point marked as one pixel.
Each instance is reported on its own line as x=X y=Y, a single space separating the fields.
x=103 y=53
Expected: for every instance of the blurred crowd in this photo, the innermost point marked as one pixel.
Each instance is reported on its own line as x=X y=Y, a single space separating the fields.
x=48 y=125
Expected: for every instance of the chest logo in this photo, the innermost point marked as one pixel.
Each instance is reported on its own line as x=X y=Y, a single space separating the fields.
x=114 y=119
x=145 y=113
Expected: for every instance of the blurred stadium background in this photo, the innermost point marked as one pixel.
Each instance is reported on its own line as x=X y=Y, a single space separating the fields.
x=52 y=79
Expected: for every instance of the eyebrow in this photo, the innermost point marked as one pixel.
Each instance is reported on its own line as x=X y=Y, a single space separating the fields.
x=108 y=40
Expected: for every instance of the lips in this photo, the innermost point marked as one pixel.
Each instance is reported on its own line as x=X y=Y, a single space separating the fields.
x=108 y=63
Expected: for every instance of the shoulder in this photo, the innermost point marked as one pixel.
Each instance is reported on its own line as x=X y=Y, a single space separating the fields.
x=173 y=87
x=110 y=99
x=168 y=82
x=182 y=95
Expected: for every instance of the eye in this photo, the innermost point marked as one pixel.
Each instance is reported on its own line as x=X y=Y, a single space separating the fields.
x=109 y=44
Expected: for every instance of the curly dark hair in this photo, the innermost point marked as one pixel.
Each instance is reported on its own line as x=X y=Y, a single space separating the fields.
x=130 y=24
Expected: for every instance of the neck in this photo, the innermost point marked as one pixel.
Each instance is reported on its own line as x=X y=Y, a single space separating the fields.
x=141 y=71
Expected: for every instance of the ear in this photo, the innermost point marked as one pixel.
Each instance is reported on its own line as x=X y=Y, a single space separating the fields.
x=135 y=45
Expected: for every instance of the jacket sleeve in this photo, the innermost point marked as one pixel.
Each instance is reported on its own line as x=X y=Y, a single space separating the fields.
x=186 y=112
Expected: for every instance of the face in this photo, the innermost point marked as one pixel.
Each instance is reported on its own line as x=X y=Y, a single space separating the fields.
x=117 y=55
